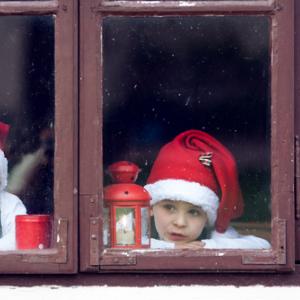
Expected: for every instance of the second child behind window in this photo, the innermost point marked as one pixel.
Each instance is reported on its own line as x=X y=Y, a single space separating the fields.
x=194 y=185
x=10 y=205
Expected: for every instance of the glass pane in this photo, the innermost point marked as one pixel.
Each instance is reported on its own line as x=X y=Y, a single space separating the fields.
x=145 y=226
x=166 y=75
x=106 y=229
x=125 y=226
x=27 y=105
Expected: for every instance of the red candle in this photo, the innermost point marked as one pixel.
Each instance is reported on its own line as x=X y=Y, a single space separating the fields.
x=33 y=231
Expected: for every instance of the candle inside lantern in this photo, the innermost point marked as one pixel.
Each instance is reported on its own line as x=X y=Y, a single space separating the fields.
x=125 y=226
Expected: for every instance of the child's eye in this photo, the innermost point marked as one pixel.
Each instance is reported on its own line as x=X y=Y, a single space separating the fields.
x=169 y=207
x=194 y=212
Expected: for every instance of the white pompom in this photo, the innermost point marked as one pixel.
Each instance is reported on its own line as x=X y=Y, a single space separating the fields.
x=3 y=171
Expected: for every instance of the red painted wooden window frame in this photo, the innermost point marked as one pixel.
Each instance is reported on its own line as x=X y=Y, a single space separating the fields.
x=62 y=258
x=93 y=256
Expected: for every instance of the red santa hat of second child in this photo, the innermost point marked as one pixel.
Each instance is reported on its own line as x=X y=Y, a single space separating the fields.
x=198 y=169
x=4 y=128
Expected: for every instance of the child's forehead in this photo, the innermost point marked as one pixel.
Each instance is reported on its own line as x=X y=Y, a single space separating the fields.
x=180 y=203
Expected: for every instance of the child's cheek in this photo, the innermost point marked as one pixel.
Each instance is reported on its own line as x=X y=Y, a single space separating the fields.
x=151 y=212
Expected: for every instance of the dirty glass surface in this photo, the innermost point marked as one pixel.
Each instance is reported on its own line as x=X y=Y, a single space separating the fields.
x=27 y=105
x=165 y=75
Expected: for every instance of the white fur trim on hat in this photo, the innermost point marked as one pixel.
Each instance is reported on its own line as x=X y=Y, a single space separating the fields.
x=3 y=171
x=182 y=190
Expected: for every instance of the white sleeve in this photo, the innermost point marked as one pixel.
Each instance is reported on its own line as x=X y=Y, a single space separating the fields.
x=158 y=244
x=23 y=172
x=11 y=206
x=231 y=239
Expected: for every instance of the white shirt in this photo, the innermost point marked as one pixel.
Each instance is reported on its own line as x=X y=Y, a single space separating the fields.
x=230 y=239
x=10 y=207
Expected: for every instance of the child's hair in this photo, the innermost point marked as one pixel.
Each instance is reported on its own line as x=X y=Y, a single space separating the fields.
x=198 y=169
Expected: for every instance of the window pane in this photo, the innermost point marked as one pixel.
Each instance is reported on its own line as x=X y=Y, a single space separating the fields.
x=27 y=105
x=166 y=75
x=145 y=225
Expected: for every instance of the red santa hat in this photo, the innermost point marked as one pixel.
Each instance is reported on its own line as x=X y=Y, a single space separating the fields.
x=198 y=169
x=4 y=128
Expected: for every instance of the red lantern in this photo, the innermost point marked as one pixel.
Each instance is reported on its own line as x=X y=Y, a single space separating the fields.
x=127 y=207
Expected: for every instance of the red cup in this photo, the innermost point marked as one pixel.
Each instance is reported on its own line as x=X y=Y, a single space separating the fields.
x=33 y=231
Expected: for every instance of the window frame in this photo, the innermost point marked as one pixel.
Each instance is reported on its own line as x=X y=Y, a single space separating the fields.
x=62 y=257
x=93 y=256
x=297 y=134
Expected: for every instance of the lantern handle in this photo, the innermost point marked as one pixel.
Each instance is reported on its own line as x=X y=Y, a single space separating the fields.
x=123 y=172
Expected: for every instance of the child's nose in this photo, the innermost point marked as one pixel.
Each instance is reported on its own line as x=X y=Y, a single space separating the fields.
x=180 y=220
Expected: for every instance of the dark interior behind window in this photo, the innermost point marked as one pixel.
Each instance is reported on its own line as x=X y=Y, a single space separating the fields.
x=27 y=104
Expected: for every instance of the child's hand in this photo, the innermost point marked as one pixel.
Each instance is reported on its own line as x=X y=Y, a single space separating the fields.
x=191 y=245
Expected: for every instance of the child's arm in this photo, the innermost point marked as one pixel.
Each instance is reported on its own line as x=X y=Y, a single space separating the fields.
x=231 y=239
x=191 y=245
x=159 y=244
x=23 y=173
x=11 y=206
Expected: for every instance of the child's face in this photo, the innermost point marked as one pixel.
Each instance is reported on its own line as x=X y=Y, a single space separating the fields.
x=178 y=221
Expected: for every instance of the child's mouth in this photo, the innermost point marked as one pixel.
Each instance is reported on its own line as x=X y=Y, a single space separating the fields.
x=177 y=236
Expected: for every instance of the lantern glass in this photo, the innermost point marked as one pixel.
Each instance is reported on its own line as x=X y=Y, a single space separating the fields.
x=125 y=225
x=145 y=225
x=106 y=229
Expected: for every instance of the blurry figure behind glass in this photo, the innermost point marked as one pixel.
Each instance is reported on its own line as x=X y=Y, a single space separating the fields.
x=10 y=205
x=32 y=177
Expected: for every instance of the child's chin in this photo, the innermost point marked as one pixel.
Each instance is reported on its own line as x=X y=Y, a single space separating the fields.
x=181 y=242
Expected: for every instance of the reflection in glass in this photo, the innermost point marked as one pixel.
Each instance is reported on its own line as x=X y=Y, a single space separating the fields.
x=165 y=75
x=125 y=225
x=27 y=105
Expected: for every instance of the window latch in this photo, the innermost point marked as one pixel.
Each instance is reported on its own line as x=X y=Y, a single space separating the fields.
x=94 y=241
